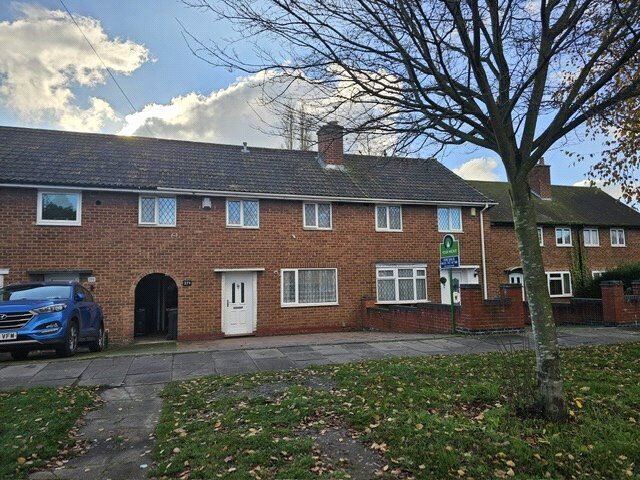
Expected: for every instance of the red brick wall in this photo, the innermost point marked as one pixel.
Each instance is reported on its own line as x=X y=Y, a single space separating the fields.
x=120 y=252
x=502 y=252
x=618 y=308
x=423 y=318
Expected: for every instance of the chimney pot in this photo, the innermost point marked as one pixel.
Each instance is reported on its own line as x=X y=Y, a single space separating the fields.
x=540 y=180
x=331 y=144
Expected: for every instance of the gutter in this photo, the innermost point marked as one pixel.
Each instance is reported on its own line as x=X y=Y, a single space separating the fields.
x=485 y=290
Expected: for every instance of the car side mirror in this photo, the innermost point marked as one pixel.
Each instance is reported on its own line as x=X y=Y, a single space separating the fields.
x=80 y=297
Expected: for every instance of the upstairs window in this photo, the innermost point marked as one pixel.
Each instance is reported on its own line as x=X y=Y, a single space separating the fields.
x=591 y=237
x=317 y=216
x=559 y=284
x=449 y=219
x=157 y=211
x=243 y=213
x=563 y=237
x=59 y=208
x=388 y=218
x=617 y=237
x=541 y=236
x=401 y=283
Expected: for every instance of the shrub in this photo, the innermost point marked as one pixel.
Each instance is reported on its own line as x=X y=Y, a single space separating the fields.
x=626 y=273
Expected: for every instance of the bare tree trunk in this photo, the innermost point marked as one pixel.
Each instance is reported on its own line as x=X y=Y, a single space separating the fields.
x=550 y=384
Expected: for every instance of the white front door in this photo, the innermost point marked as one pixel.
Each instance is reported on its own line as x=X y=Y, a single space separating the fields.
x=462 y=275
x=238 y=303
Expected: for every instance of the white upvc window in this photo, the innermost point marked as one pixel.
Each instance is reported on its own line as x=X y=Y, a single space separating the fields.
x=308 y=287
x=617 y=237
x=59 y=207
x=317 y=216
x=597 y=273
x=158 y=211
x=388 y=218
x=242 y=213
x=401 y=283
x=591 y=237
x=559 y=284
x=541 y=236
x=449 y=219
x=563 y=237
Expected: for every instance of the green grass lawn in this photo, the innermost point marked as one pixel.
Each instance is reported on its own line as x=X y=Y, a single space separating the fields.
x=35 y=425
x=426 y=417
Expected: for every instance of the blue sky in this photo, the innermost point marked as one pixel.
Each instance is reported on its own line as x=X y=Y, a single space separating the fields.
x=179 y=95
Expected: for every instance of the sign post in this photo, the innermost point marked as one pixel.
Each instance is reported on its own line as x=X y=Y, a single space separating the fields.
x=450 y=259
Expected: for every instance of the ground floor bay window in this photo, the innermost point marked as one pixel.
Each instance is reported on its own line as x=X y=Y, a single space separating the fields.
x=304 y=287
x=401 y=283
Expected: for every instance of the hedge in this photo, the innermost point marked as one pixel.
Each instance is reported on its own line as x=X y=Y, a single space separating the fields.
x=626 y=273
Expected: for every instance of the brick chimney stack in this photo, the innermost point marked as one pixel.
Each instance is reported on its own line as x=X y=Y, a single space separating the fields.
x=540 y=180
x=331 y=145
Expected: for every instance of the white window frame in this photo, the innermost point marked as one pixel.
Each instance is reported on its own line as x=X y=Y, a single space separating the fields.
x=241 y=224
x=297 y=303
x=62 y=223
x=316 y=227
x=584 y=236
x=449 y=229
x=157 y=212
x=3 y=272
x=570 y=244
x=540 y=231
x=561 y=273
x=395 y=267
x=596 y=273
x=624 y=237
x=387 y=228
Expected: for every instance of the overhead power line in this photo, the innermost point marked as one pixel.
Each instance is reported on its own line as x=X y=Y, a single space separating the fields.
x=133 y=108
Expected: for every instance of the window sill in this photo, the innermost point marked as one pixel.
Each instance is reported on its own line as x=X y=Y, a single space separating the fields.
x=46 y=223
x=619 y=246
x=564 y=246
x=152 y=225
x=301 y=305
x=566 y=295
x=318 y=228
x=381 y=230
x=240 y=227
x=450 y=231
x=591 y=246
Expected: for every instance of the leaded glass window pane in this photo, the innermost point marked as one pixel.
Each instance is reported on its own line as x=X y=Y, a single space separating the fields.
x=233 y=212
x=166 y=211
x=443 y=219
x=395 y=218
x=386 y=290
x=289 y=286
x=381 y=214
x=60 y=206
x=456 y=218
x=324 y=215
x=405 y=272
x=405 y=288
x=250 y=213
x=317 y=286
x=148 y=210
x=385 y=273
x=309 y=214
x=421 y=289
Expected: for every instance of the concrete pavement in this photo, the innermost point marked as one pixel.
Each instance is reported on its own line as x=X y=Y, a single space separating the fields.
x=273 y=353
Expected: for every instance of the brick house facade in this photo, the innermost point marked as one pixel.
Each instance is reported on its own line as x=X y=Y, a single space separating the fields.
x=213 y=265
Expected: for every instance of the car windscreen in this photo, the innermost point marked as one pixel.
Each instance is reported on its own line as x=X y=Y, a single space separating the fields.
x=41 y=292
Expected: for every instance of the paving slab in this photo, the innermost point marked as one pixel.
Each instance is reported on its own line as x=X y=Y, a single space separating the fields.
x=265 y=353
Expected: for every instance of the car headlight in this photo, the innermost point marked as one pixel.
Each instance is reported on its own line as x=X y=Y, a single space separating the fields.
x=58 y=307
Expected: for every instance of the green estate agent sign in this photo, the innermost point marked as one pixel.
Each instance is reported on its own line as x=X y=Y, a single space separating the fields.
x=450 y=259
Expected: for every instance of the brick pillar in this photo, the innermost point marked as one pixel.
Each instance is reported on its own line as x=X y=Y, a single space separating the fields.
x=513 y=292
x=612 y=301
x=470 y=307
x=635 y=287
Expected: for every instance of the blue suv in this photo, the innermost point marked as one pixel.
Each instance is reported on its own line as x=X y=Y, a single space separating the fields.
x=51 y=315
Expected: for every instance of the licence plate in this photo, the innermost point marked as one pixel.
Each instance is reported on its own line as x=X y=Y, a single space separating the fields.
x=8 y=336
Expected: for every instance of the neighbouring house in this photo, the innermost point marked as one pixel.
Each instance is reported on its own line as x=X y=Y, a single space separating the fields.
x=582 y=231
x=243 y=240
x=239 y=239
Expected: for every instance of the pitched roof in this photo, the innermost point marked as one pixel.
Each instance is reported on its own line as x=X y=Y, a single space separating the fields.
x=568 y=206
x=49 y=157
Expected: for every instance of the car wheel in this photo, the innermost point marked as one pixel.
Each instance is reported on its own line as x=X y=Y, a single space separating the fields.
x=71 y=341
x=97 y=345
x=20 y=354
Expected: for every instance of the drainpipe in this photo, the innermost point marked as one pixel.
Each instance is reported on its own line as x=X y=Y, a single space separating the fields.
x=484 y=256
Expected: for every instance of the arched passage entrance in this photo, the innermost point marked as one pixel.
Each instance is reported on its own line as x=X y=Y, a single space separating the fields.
x=156 y=307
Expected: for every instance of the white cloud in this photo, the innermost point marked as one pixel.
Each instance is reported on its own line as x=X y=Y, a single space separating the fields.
x=482 y=168
x=614 y=190
x=44 y=57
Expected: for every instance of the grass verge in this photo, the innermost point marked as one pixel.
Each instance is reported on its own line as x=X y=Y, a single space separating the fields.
x=37 y=424
x=425 y=417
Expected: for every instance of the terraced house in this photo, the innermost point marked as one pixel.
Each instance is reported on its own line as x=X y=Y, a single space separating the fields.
x=241 y=240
